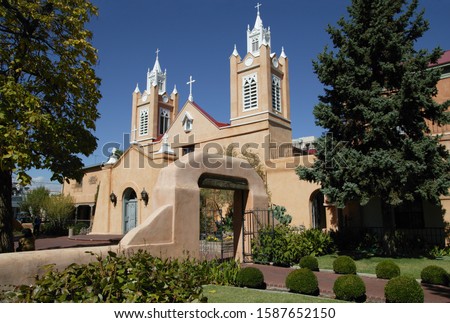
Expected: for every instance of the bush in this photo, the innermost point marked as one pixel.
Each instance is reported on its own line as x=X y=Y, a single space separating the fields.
x=250 y=277
x=317 y=242
x=344 y=265
x=303 y=281
x=222 y=272
x=350 y=288
x=309 y=262
x=434 y=275
x=137 y=278
x=286 y=245
x=271 y=245
x=80 y=228
x=387 y=269
x=403 y=289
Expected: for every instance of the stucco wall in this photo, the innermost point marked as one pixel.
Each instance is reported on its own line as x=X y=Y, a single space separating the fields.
x=286 y=189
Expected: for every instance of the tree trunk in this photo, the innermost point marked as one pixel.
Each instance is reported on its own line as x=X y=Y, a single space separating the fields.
x=6 y=214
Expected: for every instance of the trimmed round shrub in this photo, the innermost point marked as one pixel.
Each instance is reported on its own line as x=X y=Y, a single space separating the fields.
x=250 y=277
x=434 y=275
x=350 y=288
x=403 y=289
x=309 y=262
x=344 y=265
x=303 y=281
x=387 y=269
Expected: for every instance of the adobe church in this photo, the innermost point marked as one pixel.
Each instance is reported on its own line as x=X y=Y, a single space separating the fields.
x=116 y=196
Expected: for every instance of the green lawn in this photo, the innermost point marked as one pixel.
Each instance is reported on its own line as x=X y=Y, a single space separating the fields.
x=228 y=294
x=409 y=266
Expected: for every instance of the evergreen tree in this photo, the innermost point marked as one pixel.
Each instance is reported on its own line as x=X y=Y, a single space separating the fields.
x=378 y=99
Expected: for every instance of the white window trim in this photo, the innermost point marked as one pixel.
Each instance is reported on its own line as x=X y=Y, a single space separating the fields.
x=278 y=108
x=187 y=122
x=253 y=102
x=166 y=114
x=143 y=122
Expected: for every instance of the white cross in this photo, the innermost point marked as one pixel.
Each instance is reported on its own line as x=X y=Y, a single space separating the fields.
x=157 y=52
x=257 y=6
x=191 y=98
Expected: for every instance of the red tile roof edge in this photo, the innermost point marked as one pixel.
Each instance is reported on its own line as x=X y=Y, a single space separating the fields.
x=444 y=59
x=208 y=116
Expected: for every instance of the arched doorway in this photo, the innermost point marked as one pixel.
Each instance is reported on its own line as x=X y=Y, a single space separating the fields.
x=218 y=230
x=129 y=209
x=318 y=215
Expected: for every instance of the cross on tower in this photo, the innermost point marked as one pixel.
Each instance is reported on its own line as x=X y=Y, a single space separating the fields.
x=257 y=7
x=157 y=52
x=191 y=98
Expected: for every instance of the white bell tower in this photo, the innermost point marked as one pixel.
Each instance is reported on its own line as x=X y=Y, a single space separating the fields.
x=156 y=77
x=258 y=36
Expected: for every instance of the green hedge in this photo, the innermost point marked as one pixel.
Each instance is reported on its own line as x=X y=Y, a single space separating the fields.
x=286 y=245
x=138 y=278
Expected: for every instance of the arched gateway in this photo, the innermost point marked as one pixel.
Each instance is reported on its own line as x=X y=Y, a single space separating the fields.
x=172 y=228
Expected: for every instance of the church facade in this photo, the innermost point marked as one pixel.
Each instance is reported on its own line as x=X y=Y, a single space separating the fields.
x=116 y=196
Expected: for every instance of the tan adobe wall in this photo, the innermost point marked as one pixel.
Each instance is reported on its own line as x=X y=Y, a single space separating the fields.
x=84 y=192
x=286 y=189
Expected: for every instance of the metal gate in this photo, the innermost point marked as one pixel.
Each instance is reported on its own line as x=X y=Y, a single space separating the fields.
x=216 y=239
x=253 y=222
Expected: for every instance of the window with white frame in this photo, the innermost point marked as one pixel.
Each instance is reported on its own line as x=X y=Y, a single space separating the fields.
x=276 y=93
x=255 y=45
x=187 y=122
x=250 y=92
x=143 y=122
x=164 y=120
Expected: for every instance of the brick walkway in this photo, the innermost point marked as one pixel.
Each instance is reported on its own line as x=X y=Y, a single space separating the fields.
x=275 y=277
x=43 y=243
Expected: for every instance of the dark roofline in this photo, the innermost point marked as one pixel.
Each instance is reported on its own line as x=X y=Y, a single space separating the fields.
x=99 y=165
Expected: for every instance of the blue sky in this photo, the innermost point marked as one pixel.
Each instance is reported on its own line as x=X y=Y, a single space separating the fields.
x=197 y=37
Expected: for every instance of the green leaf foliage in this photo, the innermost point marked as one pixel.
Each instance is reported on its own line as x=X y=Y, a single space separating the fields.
x=309 y=262
x=35 y=201
x=403 y=289
x=303 y=281
x=285 y=245
x=49 y=93
x=138 y=277
x=377 y=107
x=344 y=265
x=48 y=87
x=250 y=277
x=350 y=288
x=435 y=275
x=387 y=269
